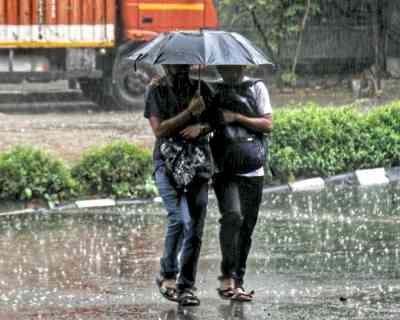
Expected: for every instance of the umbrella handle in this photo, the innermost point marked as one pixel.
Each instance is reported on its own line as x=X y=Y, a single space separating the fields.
x=140 y=56
x=198 y=85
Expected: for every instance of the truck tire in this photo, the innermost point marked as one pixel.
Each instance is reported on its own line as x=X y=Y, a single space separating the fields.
x=129 y=85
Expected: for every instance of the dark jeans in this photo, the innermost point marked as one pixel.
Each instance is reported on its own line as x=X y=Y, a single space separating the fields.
x=239 y=201
x=186 y=214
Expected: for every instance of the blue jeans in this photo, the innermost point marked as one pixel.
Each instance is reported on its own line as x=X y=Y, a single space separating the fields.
x=186 y=213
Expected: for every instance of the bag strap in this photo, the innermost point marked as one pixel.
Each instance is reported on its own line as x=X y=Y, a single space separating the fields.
x=242 y=89
x=250 y=84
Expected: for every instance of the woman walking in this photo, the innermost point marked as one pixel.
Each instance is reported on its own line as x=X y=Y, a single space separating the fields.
x=245 y=111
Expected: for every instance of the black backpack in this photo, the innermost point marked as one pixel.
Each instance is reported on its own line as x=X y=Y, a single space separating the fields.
x=236 y=149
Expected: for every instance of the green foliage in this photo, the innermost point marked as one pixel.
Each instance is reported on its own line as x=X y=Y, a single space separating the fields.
x=120 y=169
x=288 y=79
x=313 y=141
x=384 y=134
x=27 y=173
x=277 y=19
x=306 y=141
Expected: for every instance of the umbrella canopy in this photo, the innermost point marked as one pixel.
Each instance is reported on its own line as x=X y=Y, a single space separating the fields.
x=206 y=47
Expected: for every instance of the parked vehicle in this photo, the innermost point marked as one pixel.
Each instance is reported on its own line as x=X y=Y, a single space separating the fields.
x=87 y=41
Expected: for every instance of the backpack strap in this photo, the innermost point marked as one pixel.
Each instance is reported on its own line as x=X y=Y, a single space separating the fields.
x=238 y=98
x=242 y=90
x=247 y=85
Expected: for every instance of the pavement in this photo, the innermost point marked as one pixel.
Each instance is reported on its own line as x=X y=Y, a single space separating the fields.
x=327 y=254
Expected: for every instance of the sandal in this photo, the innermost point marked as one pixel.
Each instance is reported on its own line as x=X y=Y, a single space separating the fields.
x=242 y=295
x=187 y=298
x=167 y=289
x=226 y=291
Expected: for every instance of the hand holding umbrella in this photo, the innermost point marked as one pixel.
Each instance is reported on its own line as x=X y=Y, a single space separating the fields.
x=197 y=105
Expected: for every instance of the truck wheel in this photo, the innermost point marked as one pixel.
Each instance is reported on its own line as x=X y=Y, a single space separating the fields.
x=129 y=85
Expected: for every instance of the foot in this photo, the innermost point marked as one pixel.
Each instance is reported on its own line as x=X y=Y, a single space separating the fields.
x=242 y=295
x=167 y=288
x=187 y=298
x=225 y=290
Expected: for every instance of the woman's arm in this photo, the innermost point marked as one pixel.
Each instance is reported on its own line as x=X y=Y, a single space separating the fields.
x=259 y=124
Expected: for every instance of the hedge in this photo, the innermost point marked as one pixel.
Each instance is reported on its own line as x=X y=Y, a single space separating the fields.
x=314 y=141
x=27 y=173
x=306 y=142
x=120 y=169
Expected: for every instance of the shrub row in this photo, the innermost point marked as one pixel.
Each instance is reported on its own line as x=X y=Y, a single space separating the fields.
x=306 y=142
x=119 y=169
x=315 y=141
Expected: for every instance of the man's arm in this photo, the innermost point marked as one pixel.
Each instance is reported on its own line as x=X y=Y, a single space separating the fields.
x=195 y=130
x=168 y=127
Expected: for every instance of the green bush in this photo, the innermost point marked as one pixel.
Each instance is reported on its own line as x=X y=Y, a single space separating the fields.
x=384 y=135
x=120 y=169
x=306 y=142
x=316 y=141
x=27 y=173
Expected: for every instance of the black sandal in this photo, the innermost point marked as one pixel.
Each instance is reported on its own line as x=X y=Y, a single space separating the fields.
x=168 y=293
x=187 y=298
x=226 y=289
x=225 y=294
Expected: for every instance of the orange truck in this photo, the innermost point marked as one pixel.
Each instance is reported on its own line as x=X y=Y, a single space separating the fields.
x=88 y=40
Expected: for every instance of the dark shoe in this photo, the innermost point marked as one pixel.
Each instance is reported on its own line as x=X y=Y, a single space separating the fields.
x=167 y=288
x=187 y=298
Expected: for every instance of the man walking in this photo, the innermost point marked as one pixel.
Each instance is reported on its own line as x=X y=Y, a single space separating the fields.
x=173 y=109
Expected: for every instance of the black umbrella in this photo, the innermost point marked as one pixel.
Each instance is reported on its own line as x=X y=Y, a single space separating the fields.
x=206 y=47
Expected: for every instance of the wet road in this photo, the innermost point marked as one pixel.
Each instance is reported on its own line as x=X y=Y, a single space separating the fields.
x=63 y=122
x=327 y=255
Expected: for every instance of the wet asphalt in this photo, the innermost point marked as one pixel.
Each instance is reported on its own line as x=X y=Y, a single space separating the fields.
x=322 y=255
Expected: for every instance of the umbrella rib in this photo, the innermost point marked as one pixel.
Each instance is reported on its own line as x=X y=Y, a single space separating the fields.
x=241 y=44
x=246 y=50
x=161 y=48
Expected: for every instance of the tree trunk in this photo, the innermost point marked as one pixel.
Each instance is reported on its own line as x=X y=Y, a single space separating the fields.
x=260 y=30
x=383 y=23
x=379 y=38
x=301 y=33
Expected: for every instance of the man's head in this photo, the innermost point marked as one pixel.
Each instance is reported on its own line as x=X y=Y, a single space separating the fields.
x=177 y=72
x=231 y=73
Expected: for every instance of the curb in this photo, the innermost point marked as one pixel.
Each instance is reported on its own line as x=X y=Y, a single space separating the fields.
x=365 y=177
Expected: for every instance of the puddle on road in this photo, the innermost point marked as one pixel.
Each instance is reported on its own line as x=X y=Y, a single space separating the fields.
x=326 y=255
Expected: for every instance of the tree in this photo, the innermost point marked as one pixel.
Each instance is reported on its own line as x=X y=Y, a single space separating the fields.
x=273 y=20
x=273 y=24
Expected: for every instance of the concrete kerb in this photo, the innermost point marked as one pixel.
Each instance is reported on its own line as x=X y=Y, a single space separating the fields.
x=393 y=174
x=379 y=175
